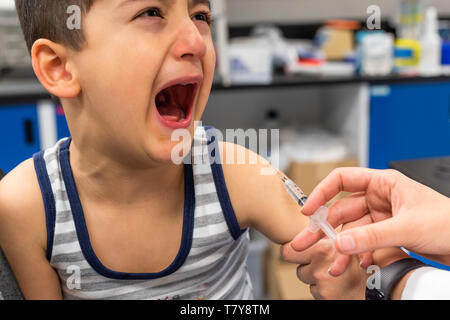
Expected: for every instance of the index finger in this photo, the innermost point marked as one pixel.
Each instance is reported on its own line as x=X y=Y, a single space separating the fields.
x=346 y=210
x=342 y=179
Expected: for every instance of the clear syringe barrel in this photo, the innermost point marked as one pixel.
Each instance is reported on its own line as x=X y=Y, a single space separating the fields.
x=296 y=193
x=318 y=221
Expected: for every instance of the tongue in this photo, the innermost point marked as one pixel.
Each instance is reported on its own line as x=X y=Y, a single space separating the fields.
x=171 y=112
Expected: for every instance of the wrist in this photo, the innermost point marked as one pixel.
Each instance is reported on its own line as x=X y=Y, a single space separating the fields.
x=392 y=279
x=389 y=262
x=397 y=289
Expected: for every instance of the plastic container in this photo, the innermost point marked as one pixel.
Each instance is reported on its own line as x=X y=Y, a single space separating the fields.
x=377 y=54
x=409 y=18
x=431 y=45
x=250 y=61
x=407 y=56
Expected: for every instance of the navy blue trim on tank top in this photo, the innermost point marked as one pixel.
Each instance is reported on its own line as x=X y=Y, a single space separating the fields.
x=83 y=235
x=221 y=187
x=49 y=200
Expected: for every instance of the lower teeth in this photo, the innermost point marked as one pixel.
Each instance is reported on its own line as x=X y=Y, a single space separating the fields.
x=182 y=116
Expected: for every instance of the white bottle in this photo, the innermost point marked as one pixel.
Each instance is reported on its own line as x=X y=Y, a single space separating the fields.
x=431 y=43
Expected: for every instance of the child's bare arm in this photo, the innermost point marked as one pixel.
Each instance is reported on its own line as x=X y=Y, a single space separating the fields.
x=261 y=201
x=23 y=233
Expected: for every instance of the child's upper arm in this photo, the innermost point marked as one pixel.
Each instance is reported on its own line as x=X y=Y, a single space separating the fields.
x=23 y=233
x=259 y=200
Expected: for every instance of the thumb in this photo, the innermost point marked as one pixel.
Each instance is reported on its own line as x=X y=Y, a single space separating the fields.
x=370 y=237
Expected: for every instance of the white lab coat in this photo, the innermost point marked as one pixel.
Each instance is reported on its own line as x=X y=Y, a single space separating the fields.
x=427 y=283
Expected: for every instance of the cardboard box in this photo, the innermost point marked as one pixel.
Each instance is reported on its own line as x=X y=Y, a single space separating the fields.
x=281 y=282
x=339 y=45
x=309 y=174
x=281 y=278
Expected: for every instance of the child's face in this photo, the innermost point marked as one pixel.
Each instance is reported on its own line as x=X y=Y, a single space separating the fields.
x=135 y=49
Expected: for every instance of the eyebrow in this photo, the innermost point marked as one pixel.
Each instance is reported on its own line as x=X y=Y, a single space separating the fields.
x=129 y=2
x=197 y=2
x=191 y=2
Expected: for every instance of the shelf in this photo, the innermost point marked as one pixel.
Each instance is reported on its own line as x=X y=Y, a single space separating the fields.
x=13 y=91
x=21 y=91
x=290 y=81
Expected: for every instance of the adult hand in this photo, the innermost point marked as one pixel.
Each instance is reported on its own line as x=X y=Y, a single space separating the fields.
x=351 y=284
x=313 y=270
x=394 y=210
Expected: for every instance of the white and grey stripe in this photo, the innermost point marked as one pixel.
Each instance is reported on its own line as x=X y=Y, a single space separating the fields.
x=215 y=267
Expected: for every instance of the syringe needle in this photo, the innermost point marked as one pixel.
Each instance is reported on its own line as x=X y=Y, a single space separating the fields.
x=318 y=221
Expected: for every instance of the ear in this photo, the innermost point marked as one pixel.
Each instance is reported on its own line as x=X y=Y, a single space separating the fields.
x=54 y=70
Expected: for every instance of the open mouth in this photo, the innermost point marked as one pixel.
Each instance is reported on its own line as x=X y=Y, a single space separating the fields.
x=174 y=104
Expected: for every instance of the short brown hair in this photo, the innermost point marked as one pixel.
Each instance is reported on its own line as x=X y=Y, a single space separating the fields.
x=48 y=19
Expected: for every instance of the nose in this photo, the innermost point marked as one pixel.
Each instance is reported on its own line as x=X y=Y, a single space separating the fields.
x=189 y=42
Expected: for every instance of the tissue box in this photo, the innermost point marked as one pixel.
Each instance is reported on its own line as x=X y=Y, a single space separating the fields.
x=250 y=62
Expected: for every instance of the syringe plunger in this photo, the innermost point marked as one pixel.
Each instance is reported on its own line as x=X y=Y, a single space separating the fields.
x=318 y=221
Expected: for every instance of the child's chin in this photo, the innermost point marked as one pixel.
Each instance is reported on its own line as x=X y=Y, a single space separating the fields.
x=169 y=152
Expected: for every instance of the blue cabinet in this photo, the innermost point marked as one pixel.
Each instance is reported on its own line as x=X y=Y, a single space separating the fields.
x=19 y=135
x=409 y=121
x=61 y=124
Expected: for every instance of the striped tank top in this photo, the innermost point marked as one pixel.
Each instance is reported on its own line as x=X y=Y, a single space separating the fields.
x=211 y=261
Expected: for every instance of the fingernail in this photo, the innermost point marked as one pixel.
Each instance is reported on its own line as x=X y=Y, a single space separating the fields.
x=329 y=271
x=293 y=244
x=304 y=205
x=346 y=243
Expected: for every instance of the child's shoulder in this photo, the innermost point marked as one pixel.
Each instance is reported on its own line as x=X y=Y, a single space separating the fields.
x=21 y=205
x=235 y=157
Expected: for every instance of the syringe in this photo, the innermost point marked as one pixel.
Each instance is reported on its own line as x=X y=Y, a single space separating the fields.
x=318 y=221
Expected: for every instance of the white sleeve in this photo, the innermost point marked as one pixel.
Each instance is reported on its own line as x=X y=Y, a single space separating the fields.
x=427 y=283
